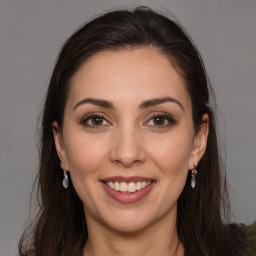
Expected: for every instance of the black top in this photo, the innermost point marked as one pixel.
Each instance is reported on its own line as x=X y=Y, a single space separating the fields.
x=242 y=241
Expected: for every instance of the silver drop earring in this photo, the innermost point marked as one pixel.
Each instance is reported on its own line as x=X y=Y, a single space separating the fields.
x=193 y=177
x=65 y=181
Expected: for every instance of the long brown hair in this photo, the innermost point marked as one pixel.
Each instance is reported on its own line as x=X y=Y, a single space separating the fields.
x=60 y=226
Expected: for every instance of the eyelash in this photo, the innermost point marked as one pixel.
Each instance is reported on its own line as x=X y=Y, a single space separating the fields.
x=85 y=120
x=167 y=117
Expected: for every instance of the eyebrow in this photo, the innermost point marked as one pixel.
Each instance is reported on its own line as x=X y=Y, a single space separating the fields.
x=157 y=101
x=143 y=105
x=97 y=102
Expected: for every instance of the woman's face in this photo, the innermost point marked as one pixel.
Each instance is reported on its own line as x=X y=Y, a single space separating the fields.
x=128 y=138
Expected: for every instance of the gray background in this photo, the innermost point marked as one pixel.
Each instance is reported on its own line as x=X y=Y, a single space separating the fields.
x=31 y=33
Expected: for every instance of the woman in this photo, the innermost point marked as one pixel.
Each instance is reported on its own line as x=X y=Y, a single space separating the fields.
x=129 y=155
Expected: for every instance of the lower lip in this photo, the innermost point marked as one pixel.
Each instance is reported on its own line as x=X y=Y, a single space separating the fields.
x=123 y=197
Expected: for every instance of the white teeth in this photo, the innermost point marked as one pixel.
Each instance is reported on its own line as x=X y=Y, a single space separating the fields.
x=111 y=185
x=116 y=186
x=138 y=186
x=128 y=187
x=123 y=187
x=131 y=187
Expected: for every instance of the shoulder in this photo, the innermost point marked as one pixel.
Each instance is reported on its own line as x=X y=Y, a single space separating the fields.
x=236 y=240
x=250 y=233
x=243 y=240
x=238 y=231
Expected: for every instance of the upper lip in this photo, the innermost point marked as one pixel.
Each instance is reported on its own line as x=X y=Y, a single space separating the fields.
x=127 y=179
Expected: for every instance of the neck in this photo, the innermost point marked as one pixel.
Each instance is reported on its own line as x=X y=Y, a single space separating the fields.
x=159 y=239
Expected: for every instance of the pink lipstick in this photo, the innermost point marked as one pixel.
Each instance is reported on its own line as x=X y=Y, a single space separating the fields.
x=128 y=189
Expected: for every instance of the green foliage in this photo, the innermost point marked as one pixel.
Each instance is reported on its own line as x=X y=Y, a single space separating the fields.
x=251 y=240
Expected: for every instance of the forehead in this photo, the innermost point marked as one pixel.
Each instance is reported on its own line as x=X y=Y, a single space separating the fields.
x=128 y=75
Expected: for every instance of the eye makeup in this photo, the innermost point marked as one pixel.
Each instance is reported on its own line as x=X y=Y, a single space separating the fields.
x=161 y=120
x=156 y=120
x=95 y=120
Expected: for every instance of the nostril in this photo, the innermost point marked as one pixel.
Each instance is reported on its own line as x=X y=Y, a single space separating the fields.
x=127 y=151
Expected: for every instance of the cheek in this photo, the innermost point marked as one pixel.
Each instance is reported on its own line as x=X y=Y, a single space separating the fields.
x=172 y=154
x=85 y=153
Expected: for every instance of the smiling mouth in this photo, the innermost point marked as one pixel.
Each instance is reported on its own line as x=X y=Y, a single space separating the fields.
x=127 y=187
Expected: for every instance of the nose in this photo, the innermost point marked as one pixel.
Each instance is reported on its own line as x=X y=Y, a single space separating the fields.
x=128 y=149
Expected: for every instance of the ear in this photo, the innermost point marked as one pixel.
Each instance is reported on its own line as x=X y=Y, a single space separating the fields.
x=59 y=145
x=200 y=143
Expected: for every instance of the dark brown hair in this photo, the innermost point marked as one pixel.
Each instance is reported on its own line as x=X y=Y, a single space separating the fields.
x=60 y=226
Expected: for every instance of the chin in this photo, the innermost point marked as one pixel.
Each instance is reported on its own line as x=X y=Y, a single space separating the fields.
x=128 y=222
x=128 y=228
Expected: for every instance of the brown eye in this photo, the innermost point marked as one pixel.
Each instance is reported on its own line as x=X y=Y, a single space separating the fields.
x=97 y=120
x=159 y=120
